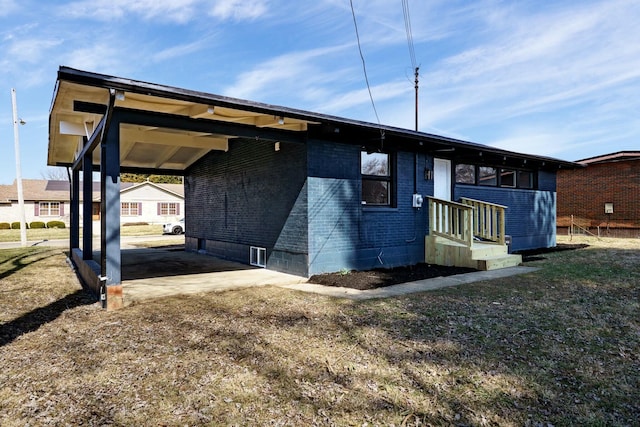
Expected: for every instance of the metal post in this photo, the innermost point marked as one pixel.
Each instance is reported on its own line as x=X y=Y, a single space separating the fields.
x=16 y=139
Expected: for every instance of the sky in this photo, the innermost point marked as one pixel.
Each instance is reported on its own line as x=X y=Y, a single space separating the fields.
x=553 y=78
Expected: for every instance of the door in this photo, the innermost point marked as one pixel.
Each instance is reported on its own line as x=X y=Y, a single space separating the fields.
x=442 y=179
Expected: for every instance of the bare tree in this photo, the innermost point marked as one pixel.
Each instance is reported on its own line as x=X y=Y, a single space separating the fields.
x=55 y=173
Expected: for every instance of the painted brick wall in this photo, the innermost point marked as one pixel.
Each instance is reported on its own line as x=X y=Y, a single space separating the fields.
x=251 y=195
x=583 y=193
x=531 y=215
x=345 y=234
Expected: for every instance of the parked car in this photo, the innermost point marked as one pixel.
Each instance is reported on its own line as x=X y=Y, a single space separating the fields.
x=175 y=227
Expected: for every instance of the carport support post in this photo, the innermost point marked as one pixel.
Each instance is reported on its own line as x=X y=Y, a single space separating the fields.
x=74 y=233
x=110 y=257
x=87 y=206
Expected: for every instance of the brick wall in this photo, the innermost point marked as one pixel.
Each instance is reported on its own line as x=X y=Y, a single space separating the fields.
x=345 y=234
x=251 y=195
x=531 y=214
x=583 y=193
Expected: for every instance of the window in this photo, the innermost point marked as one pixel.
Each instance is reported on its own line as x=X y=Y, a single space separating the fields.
x=507 y=178
x=465 y=174
x=168 y=208
x=525 y=179
x=130 y=209
x=377 y=179
x=49 y=209
x=492 y=177
x=487 y=176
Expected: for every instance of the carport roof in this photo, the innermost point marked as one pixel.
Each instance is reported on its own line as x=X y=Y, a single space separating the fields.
x=175 y=127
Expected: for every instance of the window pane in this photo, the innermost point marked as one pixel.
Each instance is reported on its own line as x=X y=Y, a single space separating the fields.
x=465 y=174
x=487 y=176
x=54 y=209
x=375 y=192
x=374 y=164
x=507 y=178
x=525 y=179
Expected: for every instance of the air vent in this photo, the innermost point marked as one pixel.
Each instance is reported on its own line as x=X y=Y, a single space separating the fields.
x=258 y=256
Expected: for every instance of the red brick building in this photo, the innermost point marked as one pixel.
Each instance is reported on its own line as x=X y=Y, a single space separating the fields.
x=603 y=197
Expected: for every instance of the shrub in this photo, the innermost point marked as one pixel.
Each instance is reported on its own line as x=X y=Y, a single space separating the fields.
x=5 y=226
x=129 y=224
x=56 y=224
x=16 y=225
x=37 y=224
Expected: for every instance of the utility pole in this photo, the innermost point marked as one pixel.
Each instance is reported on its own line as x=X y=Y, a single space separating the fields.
x=416 y=87
x=16 y=140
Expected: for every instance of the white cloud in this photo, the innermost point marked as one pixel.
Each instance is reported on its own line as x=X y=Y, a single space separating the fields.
x=239 y=9
x=30 y=50
x=7 y=7
x=292 y=74
x=179 y=11
x=181 y=50
x=105 y=58
x=164 y=10
x=532 y=63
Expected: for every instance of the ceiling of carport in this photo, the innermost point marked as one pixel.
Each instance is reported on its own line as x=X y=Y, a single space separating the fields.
x=147 y=147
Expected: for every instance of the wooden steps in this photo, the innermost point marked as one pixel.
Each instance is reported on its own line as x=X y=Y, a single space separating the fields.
x=481 y=256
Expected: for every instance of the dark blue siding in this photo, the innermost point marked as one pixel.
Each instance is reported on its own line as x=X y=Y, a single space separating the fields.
x=344 y=233
x=251 y=195
x=531 y=215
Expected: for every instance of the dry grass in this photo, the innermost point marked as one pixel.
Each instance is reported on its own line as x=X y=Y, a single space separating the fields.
x=63 y=233
x=555 y=347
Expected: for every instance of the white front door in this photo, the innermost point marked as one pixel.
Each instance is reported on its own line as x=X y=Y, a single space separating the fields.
x=442 y=179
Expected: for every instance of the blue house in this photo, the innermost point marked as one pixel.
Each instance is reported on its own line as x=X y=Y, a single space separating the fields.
x=297 y=191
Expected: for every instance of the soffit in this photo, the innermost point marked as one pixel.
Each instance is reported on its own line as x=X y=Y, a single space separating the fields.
x=149 y=147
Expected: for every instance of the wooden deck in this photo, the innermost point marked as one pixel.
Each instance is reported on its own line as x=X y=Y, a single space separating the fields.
x=468 y=234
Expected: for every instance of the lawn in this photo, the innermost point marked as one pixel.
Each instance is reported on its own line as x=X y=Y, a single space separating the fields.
x=63 y=233
x=556 y=347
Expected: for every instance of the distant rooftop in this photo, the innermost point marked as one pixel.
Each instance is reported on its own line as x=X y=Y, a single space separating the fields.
x=612 y=157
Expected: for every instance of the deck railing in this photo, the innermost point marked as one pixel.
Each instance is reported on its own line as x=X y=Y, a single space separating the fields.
x=488 y=220
x=461 y=222
x=451 y=220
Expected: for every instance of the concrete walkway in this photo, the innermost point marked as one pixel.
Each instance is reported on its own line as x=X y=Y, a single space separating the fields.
x=411 y=287
x=155 y=273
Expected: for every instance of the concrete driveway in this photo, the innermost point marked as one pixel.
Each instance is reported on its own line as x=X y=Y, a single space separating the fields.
x=153 y=273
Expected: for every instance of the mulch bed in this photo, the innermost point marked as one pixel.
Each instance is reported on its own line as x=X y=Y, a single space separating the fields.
x=381 y=277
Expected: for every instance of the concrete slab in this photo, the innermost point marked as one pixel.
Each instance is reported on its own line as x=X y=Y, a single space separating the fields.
x=153 y=273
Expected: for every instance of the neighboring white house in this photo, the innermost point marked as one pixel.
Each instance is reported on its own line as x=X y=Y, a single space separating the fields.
x=49 y=201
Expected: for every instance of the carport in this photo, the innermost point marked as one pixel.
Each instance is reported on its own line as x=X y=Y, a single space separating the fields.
x=110 y=125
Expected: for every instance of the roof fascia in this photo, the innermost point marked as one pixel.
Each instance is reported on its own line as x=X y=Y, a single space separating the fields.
x=152 y=89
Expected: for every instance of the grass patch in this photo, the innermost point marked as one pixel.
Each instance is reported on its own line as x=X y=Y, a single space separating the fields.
x=63 y=233
x=559 y=346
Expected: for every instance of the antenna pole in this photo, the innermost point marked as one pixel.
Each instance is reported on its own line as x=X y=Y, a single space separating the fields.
x=416 y=87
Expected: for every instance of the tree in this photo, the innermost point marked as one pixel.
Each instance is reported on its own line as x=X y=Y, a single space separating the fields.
x=158 y=179
x=55 y=173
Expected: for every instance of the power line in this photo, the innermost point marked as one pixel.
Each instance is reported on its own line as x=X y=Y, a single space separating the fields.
x=412 y=51
x=407 y=27
x=364 y=68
